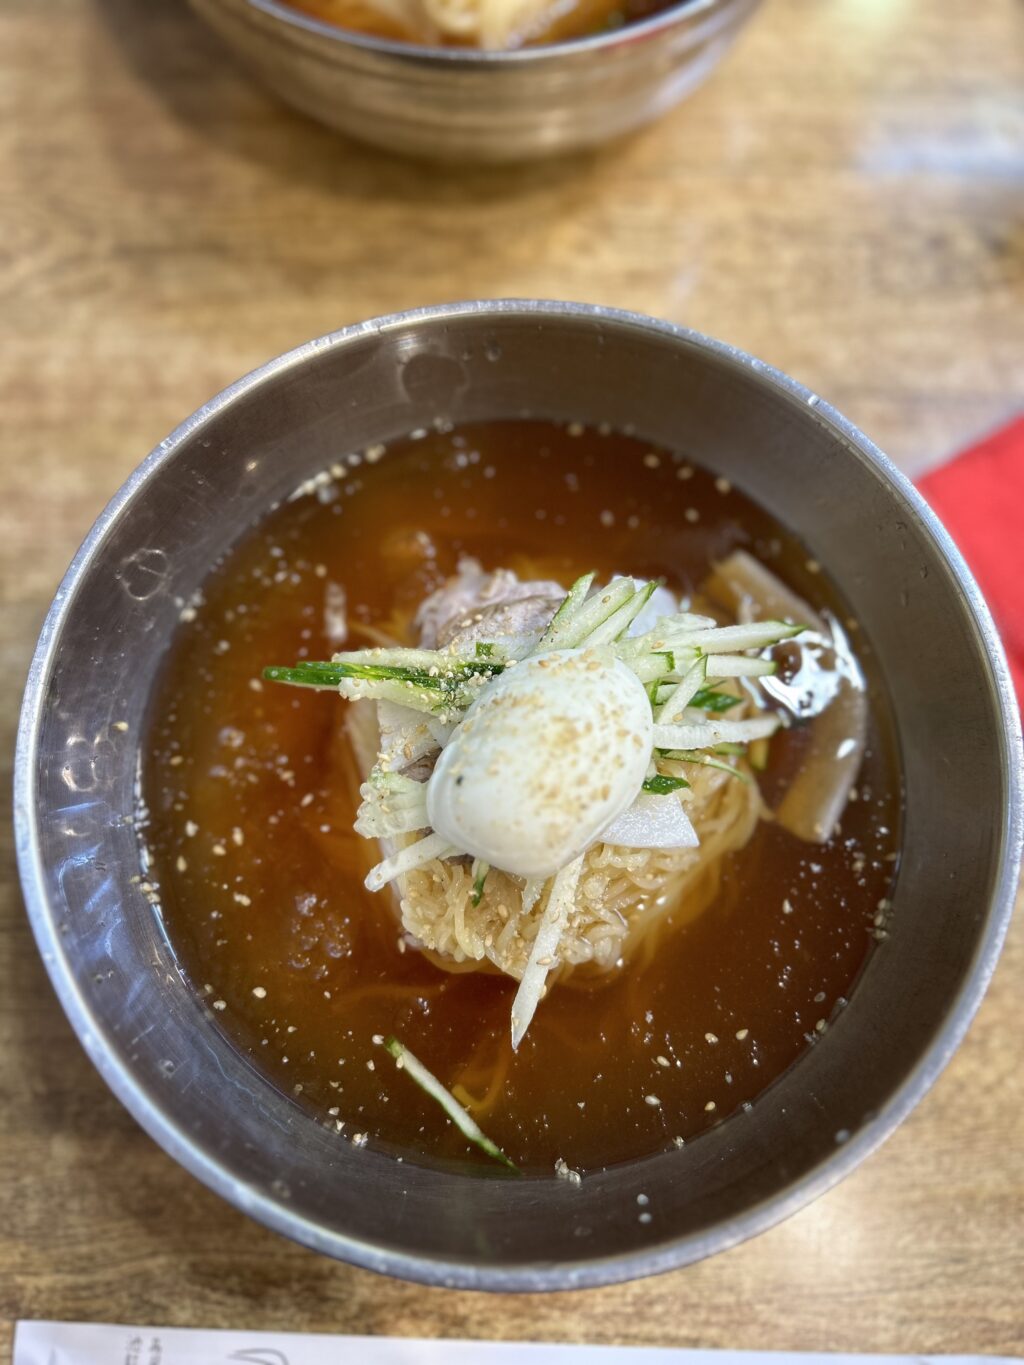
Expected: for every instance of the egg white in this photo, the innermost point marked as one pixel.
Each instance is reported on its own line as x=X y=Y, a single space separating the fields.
x=553 y=751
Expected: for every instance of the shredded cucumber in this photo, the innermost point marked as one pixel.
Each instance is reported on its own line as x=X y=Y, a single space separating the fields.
x=582 y=624
x=706 y=734
x=616 y=625
x=663 y=785
x=561 y=622
x=683 y=694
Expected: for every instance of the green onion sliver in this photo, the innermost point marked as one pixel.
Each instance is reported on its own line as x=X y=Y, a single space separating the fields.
x=480 y=870
x=429 y=1083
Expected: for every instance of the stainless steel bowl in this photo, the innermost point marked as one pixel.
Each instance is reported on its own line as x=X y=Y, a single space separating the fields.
x=159 y=1048
x=454 y=104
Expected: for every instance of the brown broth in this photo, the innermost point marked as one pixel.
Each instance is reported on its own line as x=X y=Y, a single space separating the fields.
x=250 y=795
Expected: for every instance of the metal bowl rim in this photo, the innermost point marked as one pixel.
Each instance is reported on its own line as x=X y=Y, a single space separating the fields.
x=469 y=58
x=528 y=1277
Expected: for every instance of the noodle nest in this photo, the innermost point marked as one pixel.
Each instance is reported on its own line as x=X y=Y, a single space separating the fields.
x=624 y=893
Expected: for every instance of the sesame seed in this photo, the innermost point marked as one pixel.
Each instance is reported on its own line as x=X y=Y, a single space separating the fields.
x=181 y=864
x=651 y=460
x=220 y=1004
x=653 y=1101
x=260 y=992
x=120 y=725
x=710 y=1107
x=723 y=486
x=237 y=837
x=191 y=828
x=742 y=1033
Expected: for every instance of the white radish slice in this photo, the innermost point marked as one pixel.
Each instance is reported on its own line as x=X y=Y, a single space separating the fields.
x=652 y=822
x=817 y=796
x=545 y=948
x=406 y=859
x=741 y=578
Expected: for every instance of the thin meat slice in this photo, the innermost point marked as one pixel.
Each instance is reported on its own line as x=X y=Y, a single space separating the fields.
x=478 y=606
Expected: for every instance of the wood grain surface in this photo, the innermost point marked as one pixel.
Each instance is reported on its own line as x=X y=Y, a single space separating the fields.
x=845 y=199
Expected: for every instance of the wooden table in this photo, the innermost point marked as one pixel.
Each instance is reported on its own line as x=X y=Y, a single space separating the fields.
x=846 y=200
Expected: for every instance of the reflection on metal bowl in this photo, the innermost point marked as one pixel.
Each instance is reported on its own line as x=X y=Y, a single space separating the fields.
x=456 y=104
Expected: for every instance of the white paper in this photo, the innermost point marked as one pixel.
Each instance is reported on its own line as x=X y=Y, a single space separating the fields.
x=78 y=1343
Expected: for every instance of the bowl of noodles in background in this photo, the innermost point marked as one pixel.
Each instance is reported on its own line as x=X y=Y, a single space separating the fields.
x=103 y=757
x=479 y=80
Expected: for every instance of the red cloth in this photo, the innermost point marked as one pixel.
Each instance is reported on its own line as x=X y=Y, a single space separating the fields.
x=979 y=497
